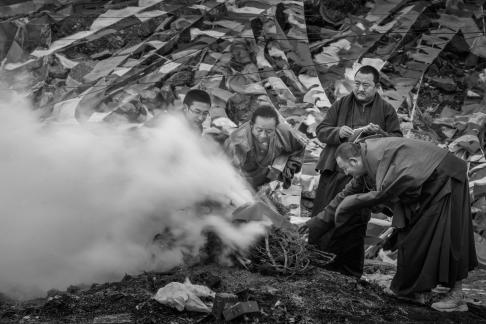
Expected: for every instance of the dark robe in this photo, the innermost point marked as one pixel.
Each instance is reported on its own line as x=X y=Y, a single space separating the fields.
x=347 y=112
x=428 y=189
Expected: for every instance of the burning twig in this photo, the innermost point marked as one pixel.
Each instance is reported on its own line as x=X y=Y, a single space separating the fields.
x=285 y=252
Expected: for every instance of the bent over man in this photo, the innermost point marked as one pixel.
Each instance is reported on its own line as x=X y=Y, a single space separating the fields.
x=264 y=149
x=427 y=187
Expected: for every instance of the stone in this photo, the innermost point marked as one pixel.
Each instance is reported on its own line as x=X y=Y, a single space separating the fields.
x=222 y=301
x=239 y=309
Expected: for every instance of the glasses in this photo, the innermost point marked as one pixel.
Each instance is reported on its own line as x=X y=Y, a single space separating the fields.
x=204 y=113
x=364 y=85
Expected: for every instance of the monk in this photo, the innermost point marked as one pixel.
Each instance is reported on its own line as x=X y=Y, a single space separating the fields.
x=264 y=149
x=427 y=188
x=361 y=114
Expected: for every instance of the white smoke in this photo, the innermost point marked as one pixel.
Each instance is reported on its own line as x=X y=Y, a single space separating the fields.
x=82 y=205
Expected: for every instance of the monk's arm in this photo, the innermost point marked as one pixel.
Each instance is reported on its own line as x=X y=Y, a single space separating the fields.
x=328 y=131
x=356 y=185
x=392 y=123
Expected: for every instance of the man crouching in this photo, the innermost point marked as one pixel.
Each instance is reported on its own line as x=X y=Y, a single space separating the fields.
x=264 y=149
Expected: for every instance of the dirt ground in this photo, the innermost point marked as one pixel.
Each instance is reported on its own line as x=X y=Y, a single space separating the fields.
x=317 y=297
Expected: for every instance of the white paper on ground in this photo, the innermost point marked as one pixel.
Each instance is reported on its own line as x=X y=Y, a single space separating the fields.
x=179 y=296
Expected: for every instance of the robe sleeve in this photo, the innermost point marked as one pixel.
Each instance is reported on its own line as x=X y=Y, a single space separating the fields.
x=294 y=147
x=231 y=151
x=356 y=185
x=327 y=130
x=394 y=178
x=392 y=124
x=297 y=149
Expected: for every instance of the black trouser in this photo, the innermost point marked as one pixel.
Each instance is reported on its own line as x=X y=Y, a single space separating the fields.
x=346 y=241
x=330 y=184
x=437 y=243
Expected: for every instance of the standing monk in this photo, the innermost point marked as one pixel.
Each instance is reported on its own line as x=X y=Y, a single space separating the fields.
x=428 y=190
x=361 y=113
x=364 y=111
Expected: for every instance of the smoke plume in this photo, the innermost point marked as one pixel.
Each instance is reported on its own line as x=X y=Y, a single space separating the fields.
x=82 y=204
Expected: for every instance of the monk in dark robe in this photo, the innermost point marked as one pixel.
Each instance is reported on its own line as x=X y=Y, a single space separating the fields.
x=427 y=188
x=361 y=114
x=265 y=149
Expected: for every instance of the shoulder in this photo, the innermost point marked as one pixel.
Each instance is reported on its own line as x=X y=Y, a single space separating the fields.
x=287 y=137
x=240 y=133
x=284 y=129
x=343 y=101
x=386 y=105
x=238 y=139
x=340 y=104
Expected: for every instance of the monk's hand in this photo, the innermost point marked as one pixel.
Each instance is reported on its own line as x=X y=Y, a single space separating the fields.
x=311 y=223
x=304 y=228
x=373 y=128
x=345 y=131
x=316 y=227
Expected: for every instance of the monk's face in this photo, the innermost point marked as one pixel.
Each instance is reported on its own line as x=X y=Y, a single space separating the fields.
x=197 y=113
x=352 y=166
x=364 y=88
x=263 y=130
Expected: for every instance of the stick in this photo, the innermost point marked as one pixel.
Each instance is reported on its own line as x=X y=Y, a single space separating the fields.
x=267 y=245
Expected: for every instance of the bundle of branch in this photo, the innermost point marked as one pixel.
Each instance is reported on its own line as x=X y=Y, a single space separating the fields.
x=319 y=258
x=285 y=252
